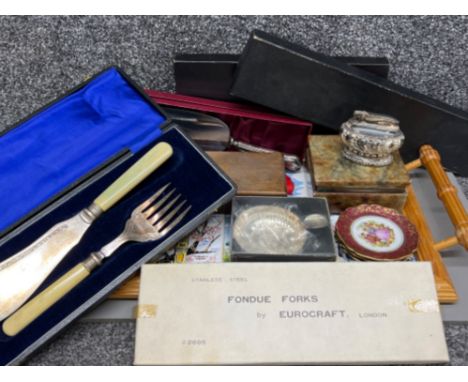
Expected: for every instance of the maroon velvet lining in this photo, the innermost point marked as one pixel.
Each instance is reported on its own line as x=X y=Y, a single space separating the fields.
x=248 y=124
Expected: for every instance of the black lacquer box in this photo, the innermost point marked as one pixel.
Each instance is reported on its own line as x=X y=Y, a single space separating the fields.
x=66 y=154
x=290 y=78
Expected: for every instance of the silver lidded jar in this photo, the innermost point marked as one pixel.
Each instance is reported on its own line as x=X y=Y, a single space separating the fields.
x=370 y=139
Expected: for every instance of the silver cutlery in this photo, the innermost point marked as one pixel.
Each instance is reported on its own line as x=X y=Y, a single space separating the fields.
x=151 y=220
x=22 y=273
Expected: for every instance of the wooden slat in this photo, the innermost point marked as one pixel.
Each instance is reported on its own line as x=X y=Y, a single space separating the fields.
x=128 y=290
x=446 y=243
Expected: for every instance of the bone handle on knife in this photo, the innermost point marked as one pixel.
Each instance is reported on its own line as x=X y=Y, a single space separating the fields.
x=44 y=300
x=134 y=175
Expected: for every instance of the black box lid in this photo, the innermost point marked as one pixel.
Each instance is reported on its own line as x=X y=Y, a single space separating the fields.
x=309 y=85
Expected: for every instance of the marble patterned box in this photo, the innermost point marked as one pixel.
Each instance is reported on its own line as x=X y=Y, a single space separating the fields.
x=346 y=184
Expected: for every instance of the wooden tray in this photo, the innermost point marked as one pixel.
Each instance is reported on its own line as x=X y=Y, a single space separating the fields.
x=428 y=250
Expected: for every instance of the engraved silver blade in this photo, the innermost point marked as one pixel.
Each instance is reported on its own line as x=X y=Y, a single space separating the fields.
x=23 y=273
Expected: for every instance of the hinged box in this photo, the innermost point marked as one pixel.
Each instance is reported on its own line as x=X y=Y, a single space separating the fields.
x=58 y=160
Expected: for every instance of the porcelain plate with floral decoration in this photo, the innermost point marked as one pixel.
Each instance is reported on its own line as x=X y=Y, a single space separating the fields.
x=373 y=232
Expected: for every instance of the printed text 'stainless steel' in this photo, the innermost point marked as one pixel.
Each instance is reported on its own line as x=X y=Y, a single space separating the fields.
x=151 y=220
x=23 y=273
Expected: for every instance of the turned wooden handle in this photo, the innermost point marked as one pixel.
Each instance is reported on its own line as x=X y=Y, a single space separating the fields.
x=447 y=193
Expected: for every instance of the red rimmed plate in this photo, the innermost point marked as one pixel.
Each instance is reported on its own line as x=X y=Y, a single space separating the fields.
x=373 y=232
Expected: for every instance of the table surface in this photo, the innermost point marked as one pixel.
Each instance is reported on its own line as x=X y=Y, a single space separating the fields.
x=41 y=57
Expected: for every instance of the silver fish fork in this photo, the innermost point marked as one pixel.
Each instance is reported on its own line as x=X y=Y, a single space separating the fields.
x=151 y=220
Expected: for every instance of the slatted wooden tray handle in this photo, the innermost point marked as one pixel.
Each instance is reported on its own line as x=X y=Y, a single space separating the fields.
x=447 y=193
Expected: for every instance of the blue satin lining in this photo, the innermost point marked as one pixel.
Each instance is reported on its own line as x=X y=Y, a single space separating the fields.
x=47 y=153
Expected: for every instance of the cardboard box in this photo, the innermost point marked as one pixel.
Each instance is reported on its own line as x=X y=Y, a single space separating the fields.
x=289 y=313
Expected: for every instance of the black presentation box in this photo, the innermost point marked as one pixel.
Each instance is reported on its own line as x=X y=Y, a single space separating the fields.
x=74 y=148
x=289 y=78
x=212 y=75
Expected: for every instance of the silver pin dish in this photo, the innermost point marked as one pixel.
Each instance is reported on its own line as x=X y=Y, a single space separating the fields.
x=270 y=230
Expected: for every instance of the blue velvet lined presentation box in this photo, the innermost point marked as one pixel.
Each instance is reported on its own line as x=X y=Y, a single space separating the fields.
x=62 y=157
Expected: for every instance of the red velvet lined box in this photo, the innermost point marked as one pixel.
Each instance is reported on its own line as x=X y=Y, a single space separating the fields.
x=249 y=124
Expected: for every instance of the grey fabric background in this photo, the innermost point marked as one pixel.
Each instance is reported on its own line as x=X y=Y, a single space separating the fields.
x=42 y=57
